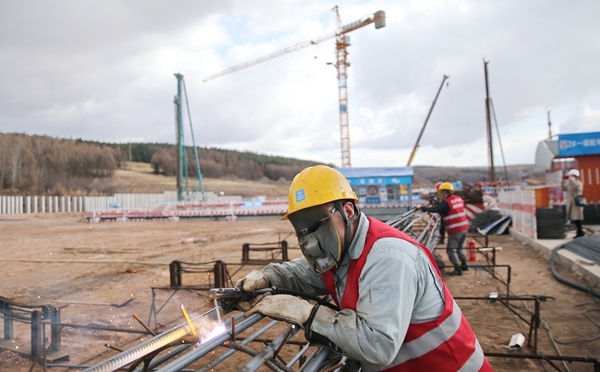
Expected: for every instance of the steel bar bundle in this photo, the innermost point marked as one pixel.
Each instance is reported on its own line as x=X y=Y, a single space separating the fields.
x=423 y=227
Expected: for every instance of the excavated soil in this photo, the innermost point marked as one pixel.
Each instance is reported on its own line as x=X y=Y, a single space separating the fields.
x=91 y=271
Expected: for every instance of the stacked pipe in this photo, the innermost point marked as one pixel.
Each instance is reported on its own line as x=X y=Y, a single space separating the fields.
x=423 y=227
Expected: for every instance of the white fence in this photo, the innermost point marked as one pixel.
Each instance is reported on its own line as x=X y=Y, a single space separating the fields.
x=59 y=204
x=40 y=204
x=520 y=204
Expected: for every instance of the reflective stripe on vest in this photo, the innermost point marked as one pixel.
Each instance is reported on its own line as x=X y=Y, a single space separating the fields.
x=454 y=216
x=445 y=344
x=458 y=224
x=432 y=339
x=456 y=220
x=477 y=361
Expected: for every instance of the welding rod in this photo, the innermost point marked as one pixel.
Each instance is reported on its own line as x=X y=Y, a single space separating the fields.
x=144 y=325
x=113 y=347
x=189 y=322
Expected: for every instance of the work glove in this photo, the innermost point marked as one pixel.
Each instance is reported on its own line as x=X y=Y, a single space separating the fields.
x=254 y=280
x=283 y=307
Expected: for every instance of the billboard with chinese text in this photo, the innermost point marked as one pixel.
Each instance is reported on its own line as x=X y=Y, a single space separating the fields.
x=574 y=144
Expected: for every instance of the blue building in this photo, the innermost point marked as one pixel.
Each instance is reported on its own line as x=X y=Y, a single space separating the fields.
x=381 y=187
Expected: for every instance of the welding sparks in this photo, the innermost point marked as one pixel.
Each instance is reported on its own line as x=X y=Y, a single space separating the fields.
x=218 y=330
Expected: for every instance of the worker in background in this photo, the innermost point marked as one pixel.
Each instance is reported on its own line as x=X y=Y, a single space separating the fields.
x=452 y=209
x=442 y=227
x=574 y=187
x=396 y=312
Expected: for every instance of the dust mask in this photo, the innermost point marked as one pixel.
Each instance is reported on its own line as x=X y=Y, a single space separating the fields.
x=318 y=238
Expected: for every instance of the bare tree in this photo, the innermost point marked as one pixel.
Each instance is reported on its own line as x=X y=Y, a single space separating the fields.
x=16 y=151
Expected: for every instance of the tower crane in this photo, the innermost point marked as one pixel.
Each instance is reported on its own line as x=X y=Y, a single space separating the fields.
x=342 y=41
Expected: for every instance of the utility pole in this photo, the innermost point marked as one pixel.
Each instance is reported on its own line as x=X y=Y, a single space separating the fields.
x=179 y=134
x=549 y=126
x=491 y=171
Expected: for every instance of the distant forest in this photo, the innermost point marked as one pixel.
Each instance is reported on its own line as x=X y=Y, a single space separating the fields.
x=46 y=165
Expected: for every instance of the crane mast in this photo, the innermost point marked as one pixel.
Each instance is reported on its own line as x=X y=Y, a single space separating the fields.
x=341 y=64
x=342 y=41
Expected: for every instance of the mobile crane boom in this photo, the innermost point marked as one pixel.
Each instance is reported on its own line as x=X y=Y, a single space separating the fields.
x=414 y=151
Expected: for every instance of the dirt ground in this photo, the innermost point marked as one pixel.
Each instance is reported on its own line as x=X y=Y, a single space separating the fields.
x=87 y=270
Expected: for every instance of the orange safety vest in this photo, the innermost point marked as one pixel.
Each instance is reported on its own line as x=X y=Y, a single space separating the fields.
x=445 y=344
x=456 y=220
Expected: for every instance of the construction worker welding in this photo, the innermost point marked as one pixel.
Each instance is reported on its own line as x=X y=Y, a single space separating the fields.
x=396 y=313
x=452 y=210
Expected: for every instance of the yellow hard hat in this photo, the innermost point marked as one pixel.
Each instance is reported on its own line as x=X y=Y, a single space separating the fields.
x=318 y=185
x=447 y=186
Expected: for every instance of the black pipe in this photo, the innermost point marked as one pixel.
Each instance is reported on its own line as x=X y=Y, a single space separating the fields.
x=548 y=358
x=568 y=282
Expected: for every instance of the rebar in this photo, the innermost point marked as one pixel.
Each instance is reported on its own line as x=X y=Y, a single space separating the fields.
x=144 y=348
x=423 y=227
x=229 y=353
x=270 y=351
x=315 y=361
x=204 y=349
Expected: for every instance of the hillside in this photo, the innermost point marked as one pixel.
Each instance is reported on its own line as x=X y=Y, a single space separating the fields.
x=33 y=164
x=53 y=166
x=138 y=177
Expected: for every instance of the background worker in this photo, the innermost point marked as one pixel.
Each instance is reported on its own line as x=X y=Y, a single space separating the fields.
x=442 y=226
x=574 y=187
x=396 y=311
x=452 y=209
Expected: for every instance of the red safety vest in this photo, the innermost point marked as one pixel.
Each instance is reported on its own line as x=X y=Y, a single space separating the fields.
x=445 y=344
x=456 y=220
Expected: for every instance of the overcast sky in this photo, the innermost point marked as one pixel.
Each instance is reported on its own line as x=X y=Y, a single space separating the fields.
x=103 y=71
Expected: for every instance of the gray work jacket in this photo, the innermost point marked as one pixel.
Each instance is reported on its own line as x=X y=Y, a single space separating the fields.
x=398 y=286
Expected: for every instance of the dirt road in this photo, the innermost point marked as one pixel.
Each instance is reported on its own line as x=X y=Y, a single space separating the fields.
x=69 y=263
